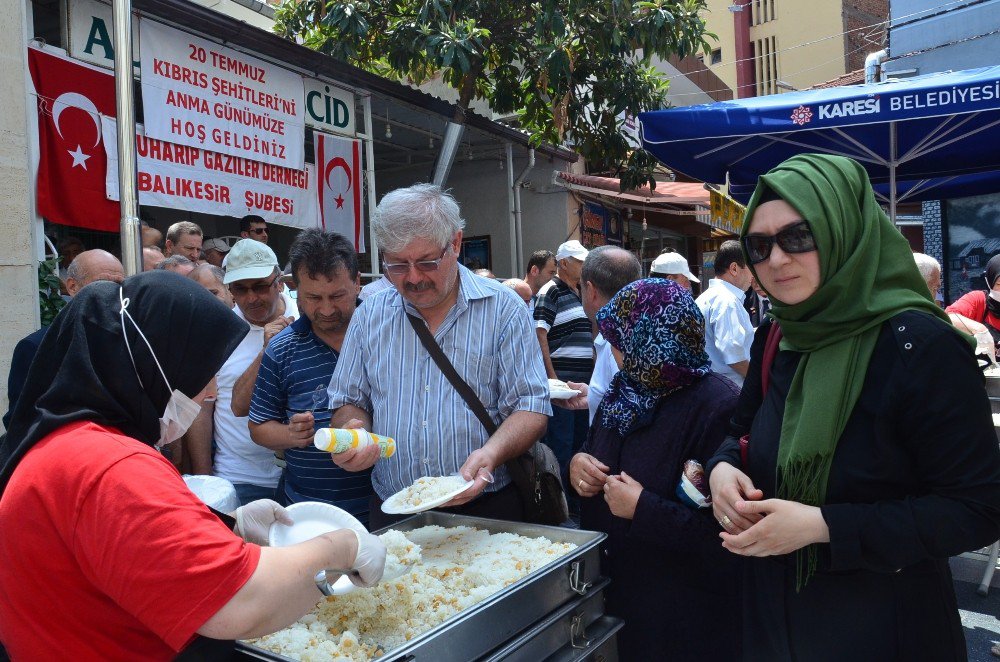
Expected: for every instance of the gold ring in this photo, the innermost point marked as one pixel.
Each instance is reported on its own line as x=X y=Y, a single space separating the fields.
x=725 y=521
x=580 y=483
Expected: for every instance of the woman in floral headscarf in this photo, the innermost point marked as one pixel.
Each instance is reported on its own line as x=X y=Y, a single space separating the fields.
x=665 y=407
x=871 y=455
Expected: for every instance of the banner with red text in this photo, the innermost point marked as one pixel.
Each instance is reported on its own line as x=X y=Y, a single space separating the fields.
x=192 y=179
x=198 y=93
x=71 y=98
x=338 y=166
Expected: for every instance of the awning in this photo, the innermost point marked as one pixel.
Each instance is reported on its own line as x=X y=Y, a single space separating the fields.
x=944 y=125
x=683 y=206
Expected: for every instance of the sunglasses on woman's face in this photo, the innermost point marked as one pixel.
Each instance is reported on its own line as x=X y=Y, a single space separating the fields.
x=797 y=238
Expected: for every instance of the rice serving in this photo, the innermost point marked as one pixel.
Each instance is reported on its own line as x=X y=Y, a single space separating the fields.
x=458 y=568
x=427 y=489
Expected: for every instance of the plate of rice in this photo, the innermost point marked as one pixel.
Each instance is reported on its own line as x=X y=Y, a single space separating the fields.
x=426 y=493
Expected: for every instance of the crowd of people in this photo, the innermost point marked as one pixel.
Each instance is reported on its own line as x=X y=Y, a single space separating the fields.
x=805 y=441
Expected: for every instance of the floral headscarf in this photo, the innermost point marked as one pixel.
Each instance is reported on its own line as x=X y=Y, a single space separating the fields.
x=660 y=332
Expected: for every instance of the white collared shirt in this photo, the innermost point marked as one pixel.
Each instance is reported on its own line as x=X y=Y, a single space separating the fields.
x=605 y=369
x=237 y=458
x=728 y=331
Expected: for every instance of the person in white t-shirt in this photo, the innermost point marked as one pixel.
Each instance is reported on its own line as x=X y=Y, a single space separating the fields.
x=728 y=331
x=254 y=280
x=606 y=270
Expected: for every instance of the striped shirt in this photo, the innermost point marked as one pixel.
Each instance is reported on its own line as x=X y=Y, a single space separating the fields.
x=571 y=342
x=294 y=375
x=487 y=336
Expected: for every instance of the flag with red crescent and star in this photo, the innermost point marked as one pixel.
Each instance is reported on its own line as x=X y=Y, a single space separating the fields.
x=339 y=182
x=71 y=97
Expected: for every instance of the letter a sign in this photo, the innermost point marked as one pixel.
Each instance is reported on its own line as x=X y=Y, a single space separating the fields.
x=339 y=180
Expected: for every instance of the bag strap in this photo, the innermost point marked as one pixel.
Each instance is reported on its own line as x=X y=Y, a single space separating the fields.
x=463 y=388
x=770 y=351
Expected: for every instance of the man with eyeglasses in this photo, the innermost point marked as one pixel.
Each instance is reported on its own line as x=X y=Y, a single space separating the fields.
x=388 y=383
x=253 y=278
x=728 y=331
x=253 y=227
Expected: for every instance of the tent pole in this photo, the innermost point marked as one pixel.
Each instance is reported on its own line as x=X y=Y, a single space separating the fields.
x=892 y=172
x=370 y=177
x=131 y=229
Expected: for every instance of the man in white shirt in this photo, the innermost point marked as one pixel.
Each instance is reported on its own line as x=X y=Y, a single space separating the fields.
x=606 y=270
x=254 y=280
x=728 y=331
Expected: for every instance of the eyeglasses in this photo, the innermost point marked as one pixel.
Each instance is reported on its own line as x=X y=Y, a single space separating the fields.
x=797 y=238
x=258 y=230
x=403 y=268
x=260 y=289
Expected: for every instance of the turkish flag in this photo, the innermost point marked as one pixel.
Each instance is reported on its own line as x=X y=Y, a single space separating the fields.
x=71 y=170
x=339 y=182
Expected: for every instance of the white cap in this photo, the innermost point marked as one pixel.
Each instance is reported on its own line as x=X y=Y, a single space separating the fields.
x=572 y=248
x=669 y=264
x=249 y=259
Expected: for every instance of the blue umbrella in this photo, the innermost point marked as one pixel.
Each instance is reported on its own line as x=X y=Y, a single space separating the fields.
x=911 y=135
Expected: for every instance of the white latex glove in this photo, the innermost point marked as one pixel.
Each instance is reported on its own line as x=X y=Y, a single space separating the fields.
x=369 y=563
x=255 y=519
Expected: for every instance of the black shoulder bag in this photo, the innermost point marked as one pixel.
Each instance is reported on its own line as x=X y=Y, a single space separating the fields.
x=535 y=474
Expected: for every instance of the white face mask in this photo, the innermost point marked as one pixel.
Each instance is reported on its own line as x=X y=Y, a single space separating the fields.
x=995 y=295
x=181 y=410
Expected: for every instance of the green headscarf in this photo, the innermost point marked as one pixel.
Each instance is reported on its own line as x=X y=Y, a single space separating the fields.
x=867 y=275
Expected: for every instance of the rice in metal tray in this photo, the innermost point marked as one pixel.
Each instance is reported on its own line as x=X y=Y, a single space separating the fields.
x=459 y=567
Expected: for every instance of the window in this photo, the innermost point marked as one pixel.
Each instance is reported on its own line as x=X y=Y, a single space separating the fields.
x=766 y=65
x=716 y=57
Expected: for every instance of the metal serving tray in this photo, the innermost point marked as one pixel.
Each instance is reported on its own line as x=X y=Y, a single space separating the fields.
x=474 y=632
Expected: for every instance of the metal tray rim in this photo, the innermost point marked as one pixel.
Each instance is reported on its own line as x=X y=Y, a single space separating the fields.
x=585 y=541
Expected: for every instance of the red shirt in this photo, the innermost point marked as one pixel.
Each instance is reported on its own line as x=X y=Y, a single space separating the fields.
x=973 y=306
x=106 y=555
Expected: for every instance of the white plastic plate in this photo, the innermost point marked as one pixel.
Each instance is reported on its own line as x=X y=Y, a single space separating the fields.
x=394 y=504
x=313 y=518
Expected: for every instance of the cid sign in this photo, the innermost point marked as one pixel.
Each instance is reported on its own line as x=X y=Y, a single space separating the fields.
x=329 y=108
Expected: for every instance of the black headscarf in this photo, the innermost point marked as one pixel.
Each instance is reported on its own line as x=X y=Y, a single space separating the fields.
x=992 y=271
x=83 y=372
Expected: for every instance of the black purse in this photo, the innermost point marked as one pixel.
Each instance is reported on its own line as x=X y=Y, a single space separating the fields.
x=534 y=474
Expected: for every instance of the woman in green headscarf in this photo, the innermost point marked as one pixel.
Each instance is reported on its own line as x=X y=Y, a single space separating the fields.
x=871 y=455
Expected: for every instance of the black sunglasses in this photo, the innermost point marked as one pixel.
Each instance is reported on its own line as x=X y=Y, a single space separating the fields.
x=797 y=238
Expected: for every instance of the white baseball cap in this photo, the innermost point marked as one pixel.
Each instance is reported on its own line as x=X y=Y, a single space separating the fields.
x=670 y=264
x=249 y=259
x=572 y=248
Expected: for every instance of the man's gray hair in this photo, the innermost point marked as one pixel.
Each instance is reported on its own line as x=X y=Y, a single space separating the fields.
x=610 y=268
x=175 y=231
x=216 y=272
x=421 y=211
x=174 y=261
x=927 y=265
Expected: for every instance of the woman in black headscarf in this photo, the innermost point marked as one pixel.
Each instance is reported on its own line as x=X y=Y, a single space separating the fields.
x=979 y=310
x=105 y=553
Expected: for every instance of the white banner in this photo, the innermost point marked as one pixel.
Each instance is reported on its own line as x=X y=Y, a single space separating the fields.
x=338 y=165
x=192 y=179
x=200 y=94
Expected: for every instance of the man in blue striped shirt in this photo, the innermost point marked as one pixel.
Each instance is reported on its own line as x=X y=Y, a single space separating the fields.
x=290 y=395
x=388 y=383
